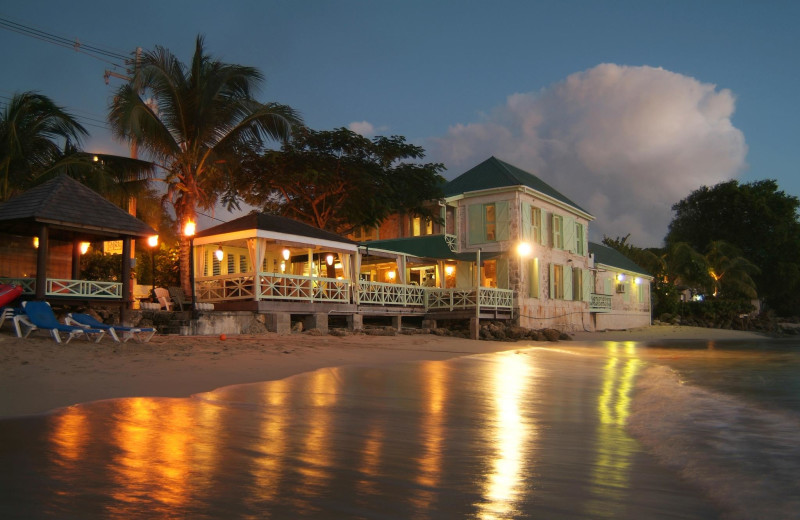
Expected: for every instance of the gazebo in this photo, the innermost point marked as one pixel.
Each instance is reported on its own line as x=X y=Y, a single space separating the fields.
x=42 y=232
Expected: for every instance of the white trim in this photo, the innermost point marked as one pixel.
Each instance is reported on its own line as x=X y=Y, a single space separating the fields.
x=280 y=237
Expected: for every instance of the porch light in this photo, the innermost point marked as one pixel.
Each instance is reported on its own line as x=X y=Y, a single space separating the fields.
x=152 y=240
x=449 y=270
x=329 y=259
x=620 y=277
x=391 y=275
x=84 y=247
x=524 y=249
x=219 y=254
x=286 y=254
x=189 y=228
x=637 y=280
x=36 y=242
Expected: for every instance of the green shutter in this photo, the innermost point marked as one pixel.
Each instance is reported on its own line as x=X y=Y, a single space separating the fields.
x=588 y=285
x=475 y=224
x=502 y=220
x=545 y=237
x=552 y=285
x=502 y=273
x=567 y=282
x=527 y=233
x=569 y=234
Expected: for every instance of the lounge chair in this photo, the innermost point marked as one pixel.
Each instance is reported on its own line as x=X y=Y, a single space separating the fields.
x=39 y=315
x=179 y=297
x=164 y=298
x=119 y=333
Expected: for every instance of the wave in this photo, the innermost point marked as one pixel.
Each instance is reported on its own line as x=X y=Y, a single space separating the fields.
x=745 y=458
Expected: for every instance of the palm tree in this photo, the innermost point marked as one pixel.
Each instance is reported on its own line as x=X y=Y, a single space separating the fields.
x=35 y=135
x=730 y=271
x=191 y=121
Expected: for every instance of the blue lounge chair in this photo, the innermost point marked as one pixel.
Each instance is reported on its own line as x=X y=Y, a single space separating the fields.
x=117 y=332
x=39 y=315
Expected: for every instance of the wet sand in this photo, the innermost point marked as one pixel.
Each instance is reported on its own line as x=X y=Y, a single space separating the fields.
x=38 y=375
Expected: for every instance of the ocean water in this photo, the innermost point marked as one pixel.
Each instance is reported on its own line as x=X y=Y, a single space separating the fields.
x=611 y=430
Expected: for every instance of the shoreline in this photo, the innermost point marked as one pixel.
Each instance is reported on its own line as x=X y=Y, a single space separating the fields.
x=38 y=375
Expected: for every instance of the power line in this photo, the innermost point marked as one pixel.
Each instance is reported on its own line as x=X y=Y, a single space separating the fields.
x=93 y=51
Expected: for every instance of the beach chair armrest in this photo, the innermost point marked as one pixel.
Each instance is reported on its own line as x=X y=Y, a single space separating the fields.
x=20 y=320
x=69 y=320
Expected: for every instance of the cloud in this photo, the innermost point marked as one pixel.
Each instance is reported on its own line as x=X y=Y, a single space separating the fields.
x=366 y=128
x=625 y=143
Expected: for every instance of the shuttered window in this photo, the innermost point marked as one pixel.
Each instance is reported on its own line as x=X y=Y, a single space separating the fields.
x=558 y=232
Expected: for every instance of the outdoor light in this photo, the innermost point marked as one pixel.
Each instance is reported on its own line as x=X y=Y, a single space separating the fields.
x=524 y=249
x=286 y=254
x=620 y=277
x=36 y=242
x=84 y=247
x=96 y=158
x=329 y=259
x=189 y=228
x=219 y=254
x=152 y=240
x=449 y=269
x=390 y=275
x=637 y=280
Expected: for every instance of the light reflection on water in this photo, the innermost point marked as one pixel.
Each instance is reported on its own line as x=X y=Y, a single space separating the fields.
x=507 y=435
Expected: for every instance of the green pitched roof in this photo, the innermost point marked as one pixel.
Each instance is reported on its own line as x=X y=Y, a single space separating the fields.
x=494 y=173
x=611 y=257
x=429 y=246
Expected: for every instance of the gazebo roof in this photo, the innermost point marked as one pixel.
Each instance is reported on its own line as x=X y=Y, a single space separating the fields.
x=274 y=226
x=71 y=209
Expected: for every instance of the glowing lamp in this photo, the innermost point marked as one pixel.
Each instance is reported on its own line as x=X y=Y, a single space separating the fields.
x=36 y=242
x=391 y=275
x=84 y=247
x=152 y=240
x=286 y=254
x=524 y=249
x=219 y=254
x=620 y=277
x=637 y=280
x=189 y=228
x=449 y=270
x=329 y=259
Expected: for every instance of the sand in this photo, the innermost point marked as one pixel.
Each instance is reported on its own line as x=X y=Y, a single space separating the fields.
x=38 y=375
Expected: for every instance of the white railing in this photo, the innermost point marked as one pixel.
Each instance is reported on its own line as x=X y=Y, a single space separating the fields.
x=274 y=286
x=70 y=288
x=600 y=303
x=83 y=288
x=452 y=242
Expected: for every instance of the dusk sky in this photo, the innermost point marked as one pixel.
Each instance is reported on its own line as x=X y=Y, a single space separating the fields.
x=624 y=106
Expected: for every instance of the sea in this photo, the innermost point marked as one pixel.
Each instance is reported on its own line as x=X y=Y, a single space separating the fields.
x=604 y=430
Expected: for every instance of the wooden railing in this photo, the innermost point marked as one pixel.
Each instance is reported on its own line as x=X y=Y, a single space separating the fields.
x=70 y=288
x=600 y=303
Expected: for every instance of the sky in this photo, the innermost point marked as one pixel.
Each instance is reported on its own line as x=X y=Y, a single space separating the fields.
x=626 y=107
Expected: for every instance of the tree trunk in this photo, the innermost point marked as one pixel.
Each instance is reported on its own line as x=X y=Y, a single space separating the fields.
x=185 y=266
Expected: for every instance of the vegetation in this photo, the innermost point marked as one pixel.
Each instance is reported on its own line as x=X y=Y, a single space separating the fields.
x=321 y=177
x=194 y=121
x=35 y=137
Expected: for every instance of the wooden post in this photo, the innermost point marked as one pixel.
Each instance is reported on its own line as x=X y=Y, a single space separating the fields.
x=126 y=279
x=41 y=262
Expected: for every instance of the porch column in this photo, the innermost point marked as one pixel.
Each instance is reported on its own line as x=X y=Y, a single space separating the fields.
x=126 y=278
x=41 y=262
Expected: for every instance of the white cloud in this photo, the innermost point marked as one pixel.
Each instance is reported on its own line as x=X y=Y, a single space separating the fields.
x=366 y=128
x=625 y=143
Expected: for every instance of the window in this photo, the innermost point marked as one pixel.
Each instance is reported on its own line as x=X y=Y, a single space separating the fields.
x=557 y=289
x=242 y=264
x=489 y=222
x=558 y=232
x=579 y=239
x=421 y=226
x=215 y=265
x=533 y=278
x=231 y=263
x=536 y=225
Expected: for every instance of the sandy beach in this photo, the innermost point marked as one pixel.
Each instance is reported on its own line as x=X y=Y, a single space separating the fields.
x=37 y=375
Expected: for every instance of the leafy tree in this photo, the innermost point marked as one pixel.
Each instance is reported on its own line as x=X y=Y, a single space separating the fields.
x=758 y=219
x=338 y=179
x=192 y=121
x=34 y=132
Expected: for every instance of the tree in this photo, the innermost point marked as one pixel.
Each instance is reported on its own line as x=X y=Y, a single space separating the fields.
x=338 y=180
x=758 y=219
x=192 y=121
x=34 y=134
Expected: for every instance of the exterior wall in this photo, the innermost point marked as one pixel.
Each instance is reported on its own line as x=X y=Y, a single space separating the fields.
x=630 y=301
